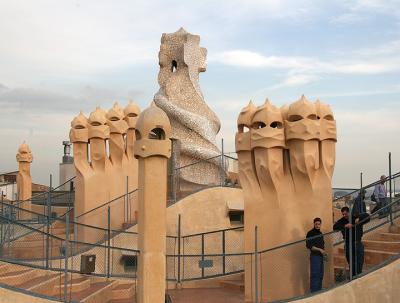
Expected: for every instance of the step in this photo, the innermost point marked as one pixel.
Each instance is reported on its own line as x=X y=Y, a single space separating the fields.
x=390 y=246
x=41 y=278
x=233 y=284
x=35 y=243
x=77 y=284
x=98 y=292
x=29 y=253
x=339 y=260
x=18 y=276
x=123 y=290
x=373 y=257
x=130 y=300
x=47 y=287
x=389 y=237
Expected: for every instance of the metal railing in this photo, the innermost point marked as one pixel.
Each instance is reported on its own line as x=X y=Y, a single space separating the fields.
x=205 y=255
x=14 y=232
x=215 y=171
x=66 y=256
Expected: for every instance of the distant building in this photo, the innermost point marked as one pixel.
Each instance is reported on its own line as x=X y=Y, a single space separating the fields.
x=66 y=168
x=8 y=185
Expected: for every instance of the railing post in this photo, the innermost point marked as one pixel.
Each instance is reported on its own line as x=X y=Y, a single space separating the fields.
x=222 y=164
x=350 y=248
x=361 y=186
x=179 y=248
x=66 y=256
x=390 y=188
x=255 y=263
x=2 y=222
x=48 y=211
x=128 y=208
x=223 y=252
x=108 y=240
x=202 y=255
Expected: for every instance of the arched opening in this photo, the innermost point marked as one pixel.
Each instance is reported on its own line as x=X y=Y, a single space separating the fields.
x=328 y=117
x=276 y=124
x=174 y=66
x=258 y=125
x=157 y=134
x=138 y=135
x=294 y=118
x=243 y=128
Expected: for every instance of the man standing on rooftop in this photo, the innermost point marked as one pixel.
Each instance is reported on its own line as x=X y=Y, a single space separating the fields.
x=315 y=243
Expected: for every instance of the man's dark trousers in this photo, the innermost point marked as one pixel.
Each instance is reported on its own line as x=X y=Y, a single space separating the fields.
x=316 y=272
x=358 y=257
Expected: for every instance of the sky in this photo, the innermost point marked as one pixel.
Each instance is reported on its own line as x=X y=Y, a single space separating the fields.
x=60 y=57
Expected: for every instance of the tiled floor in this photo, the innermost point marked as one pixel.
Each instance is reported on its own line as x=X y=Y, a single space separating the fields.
x=207 y=295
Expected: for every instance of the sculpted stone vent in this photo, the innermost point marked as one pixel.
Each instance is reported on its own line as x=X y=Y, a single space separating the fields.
x=286 y=162
x=181 y=60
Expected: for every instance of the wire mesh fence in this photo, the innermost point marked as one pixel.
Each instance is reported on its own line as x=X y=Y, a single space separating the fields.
x=68 y=265
x=205 y=255
x=285 y=272
x=218 y=171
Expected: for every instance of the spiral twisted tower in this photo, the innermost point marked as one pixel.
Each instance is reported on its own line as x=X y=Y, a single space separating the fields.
x=181 y=60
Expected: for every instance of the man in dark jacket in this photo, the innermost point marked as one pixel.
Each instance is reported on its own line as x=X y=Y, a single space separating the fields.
x=351 y=228
x=315 y=243
x=359 y=204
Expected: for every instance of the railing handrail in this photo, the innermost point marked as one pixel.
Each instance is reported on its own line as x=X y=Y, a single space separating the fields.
x=50 y=235
x=213 y=231
x=388 y=178
x=106 y=203
x=58 y=219
x=327 y=233
x=44 y=193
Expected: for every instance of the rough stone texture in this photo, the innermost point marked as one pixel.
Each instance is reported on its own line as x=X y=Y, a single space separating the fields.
x=379 y=286
x=286 y=160
x=152 y=149
x=104 y=175
x=24 y=179
x=181 y=60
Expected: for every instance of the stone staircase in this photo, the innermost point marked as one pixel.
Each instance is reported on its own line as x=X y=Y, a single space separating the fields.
x=80 y=288
x=32 y=245
x=379 y=247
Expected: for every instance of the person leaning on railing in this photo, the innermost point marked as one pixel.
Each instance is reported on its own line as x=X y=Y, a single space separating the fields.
x=380 y=196
x=315 y=243
x=354 y=224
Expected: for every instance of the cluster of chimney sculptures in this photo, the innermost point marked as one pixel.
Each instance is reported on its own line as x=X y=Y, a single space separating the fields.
x=286 y=160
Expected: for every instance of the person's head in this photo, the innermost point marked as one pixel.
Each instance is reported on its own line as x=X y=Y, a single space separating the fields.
x=317 y=223
x=383 y=179
x=345 y=212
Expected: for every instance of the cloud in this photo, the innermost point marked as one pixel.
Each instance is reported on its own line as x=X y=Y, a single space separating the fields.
x=250 y=59
x=304 y=70
x=22 y=101
x=389 y=7
x=348 y=18
x=356 y=11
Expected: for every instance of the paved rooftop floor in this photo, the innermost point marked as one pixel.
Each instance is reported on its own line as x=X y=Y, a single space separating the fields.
x=207 y=295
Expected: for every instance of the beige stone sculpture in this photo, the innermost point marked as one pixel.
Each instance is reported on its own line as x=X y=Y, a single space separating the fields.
x=152 y=149
x=102 y=175
x=131 y=113
x=181 y=60
x=24 y=179
x=286 y=161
